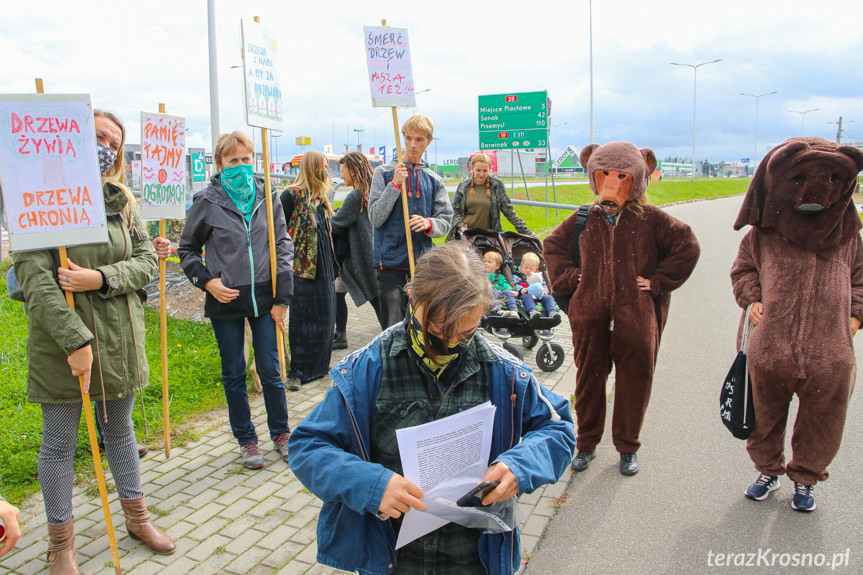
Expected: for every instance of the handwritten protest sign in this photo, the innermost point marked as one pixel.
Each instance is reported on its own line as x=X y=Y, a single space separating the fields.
x=163 y=167
x=389 y=59
x=49 y=170
x=261 y=70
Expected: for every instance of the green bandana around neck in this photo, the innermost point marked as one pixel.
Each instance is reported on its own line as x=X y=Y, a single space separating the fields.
x=418 y=344
x=239 y=184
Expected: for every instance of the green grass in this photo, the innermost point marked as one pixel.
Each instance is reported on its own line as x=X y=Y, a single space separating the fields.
x=194 y=373
x=664 y=192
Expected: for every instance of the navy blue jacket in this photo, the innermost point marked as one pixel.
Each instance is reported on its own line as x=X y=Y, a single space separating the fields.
x=427 y=197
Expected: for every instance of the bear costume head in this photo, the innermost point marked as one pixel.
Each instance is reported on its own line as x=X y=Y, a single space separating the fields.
x=802 y=189
x=618 y=171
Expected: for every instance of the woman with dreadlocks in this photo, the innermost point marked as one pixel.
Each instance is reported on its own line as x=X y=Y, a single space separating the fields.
x=351 y=222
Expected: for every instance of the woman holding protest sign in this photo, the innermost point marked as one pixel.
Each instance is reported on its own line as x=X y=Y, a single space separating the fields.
x=102 y=339
x=431 y=366
x=310 y=329
x=229 y=219
x=479 y=201
x=352 y=228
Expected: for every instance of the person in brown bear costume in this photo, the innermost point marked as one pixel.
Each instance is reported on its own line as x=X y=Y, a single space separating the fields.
x=801 y=269
x=633 y=255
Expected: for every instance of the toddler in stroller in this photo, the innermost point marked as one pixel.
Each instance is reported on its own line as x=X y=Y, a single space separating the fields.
x=531 y=286
x=532 y=328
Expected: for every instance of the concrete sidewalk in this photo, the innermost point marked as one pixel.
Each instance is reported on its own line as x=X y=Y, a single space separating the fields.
x=227 y=519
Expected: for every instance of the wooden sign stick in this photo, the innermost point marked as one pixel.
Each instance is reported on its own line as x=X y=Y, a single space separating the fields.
x=88 y=415
x=405 y=211
x=163 y=318
x=271 y=236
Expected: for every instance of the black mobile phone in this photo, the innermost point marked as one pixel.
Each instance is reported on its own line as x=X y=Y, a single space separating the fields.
x=473 y=498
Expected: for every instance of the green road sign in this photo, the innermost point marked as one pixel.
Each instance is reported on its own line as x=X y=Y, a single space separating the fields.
x=509 y=121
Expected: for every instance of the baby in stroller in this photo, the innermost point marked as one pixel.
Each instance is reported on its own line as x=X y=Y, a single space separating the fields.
x=532 y=288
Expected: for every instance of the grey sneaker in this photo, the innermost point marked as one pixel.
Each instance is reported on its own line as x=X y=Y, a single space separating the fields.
x=803 y=499
x=281 y=444
x=252 y=458
x=763 y=487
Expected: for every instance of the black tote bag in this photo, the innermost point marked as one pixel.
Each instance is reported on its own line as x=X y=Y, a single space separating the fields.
x=735 y=398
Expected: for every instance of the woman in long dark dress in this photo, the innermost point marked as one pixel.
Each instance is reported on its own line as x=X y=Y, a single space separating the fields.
x=313 y=310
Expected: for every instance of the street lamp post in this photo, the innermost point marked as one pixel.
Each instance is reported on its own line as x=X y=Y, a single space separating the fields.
x=694 y=96
x=803 y=119
x=435 y=155
x=757 y=98
x=590 y=20
x=359 y=132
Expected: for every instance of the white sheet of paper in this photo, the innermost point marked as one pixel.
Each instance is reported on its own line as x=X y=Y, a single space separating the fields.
x=434 y=452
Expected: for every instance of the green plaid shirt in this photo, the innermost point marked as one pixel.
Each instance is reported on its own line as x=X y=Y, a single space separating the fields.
x=409 y=396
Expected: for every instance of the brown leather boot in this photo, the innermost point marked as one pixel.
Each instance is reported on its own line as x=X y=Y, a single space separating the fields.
x=141 y=527
x=61 y=548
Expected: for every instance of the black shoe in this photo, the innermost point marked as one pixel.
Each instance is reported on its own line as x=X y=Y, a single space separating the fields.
x=628 y=464
x=340 y=340
x=293 y=383
x=582 y=460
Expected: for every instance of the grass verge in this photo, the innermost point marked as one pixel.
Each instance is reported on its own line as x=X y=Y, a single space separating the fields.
x=194 y=373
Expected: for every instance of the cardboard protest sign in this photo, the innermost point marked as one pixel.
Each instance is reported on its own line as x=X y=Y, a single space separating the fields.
x=261 y=71
x=389 y=60
x=49 y=169
x=163 y=167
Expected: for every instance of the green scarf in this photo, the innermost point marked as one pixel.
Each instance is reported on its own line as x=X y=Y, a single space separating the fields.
x=418 y=345
x=239 y=184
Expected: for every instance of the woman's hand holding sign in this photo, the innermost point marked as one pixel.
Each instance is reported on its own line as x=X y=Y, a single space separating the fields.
x=78 y=279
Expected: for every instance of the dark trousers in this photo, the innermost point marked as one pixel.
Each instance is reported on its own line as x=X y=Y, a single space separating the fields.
x=230 y=338
x=392 y=296
x=342 y=311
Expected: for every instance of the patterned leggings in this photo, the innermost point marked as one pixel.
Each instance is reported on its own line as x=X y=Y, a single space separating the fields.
x=60 y=424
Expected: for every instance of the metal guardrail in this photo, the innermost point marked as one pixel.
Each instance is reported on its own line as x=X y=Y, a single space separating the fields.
x=549 y=205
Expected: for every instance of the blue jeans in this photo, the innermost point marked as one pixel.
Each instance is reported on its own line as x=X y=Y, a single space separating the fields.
x=507 y=296
x=548 y=305
x=229 y=336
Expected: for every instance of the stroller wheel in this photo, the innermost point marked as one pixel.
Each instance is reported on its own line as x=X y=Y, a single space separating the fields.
x=550 y=356
x=529 y=342
x=514 y=350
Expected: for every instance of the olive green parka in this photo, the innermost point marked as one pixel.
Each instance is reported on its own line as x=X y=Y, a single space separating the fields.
x=111 y=319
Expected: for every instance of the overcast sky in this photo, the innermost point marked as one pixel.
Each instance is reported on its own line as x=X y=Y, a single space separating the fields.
x=132 y=56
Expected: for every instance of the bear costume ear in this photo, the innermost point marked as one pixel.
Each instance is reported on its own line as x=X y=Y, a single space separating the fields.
x=855 y=154
x=585 y=154
x=753 y=203
x=650 y=160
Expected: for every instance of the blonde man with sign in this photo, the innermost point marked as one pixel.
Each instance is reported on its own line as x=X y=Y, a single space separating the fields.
x=430 y=214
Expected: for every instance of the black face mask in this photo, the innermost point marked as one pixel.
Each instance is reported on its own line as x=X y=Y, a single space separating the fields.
x=436 y=343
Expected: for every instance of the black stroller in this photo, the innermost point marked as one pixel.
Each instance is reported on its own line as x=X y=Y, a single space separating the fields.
x=511 y=246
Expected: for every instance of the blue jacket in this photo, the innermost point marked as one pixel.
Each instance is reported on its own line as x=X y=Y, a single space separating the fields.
x=427 y=197
x=329 y=453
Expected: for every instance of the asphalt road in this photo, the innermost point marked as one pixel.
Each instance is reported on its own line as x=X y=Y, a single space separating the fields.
x=687 y=504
